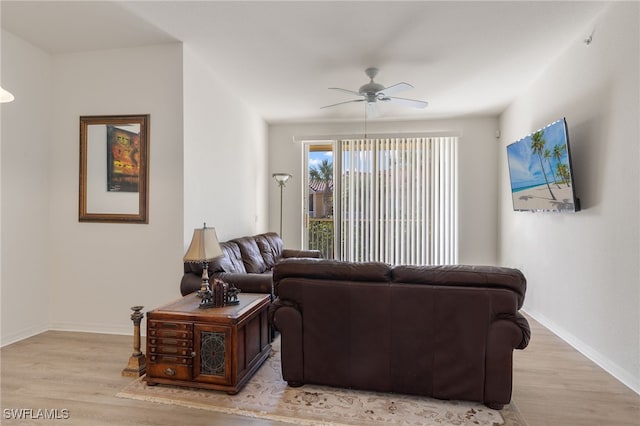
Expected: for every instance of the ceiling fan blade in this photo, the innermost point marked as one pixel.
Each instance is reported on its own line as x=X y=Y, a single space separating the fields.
x=372 y=110
x=394 y=89
x=406 y=102
x=351 y=92
x=341 y=103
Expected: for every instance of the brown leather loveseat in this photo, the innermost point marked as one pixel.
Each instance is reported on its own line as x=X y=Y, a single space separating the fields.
x=441 y=331
x=247 y=263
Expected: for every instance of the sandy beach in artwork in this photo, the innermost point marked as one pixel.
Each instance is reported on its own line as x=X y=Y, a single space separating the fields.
x=538 y=198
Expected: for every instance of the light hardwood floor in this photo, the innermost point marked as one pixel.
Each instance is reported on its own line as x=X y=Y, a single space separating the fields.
x=556 y=385
x=81 y=372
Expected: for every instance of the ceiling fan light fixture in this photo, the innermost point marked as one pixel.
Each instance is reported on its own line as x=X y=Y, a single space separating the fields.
x=6 y=96
x=373 y=92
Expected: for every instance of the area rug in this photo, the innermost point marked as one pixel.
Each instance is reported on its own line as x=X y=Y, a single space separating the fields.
x=267 y=396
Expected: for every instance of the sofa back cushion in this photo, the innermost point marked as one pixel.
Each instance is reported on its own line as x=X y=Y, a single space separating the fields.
x=230 y=262
x=270 y=246
x=251 y=255
x=464 y=276
x=330 y=270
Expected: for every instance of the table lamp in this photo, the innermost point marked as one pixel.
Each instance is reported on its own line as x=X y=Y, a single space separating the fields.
x=203 y=248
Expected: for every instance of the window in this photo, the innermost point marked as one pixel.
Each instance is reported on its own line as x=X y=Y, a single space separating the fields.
x=395 y=202
x=318 y=225
x=398 y=199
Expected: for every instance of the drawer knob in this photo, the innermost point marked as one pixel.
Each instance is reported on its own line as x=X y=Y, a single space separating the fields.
x=170 y=372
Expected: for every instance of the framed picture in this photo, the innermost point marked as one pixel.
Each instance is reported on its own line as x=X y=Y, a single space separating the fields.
x=114 y=168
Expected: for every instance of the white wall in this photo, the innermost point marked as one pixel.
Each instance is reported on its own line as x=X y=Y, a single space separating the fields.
x=477 y=165
x=208 y=162
x=100 y=270
x=225 y=160
x=85 y=276
x=26 y=244
x=582 y=269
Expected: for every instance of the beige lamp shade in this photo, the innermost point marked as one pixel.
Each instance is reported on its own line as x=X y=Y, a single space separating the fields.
x=204 y=246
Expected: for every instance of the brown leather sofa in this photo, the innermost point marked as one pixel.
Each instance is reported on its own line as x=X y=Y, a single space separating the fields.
x=446 y=332
x=247 y=263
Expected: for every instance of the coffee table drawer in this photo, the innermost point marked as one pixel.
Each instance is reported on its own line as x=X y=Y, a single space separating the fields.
x=170 y=329
x=170 y=350
x=170 y=342
x=170 y=371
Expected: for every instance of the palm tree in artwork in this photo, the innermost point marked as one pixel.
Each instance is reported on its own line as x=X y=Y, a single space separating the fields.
x=547 y=156
x=558 y=150
x=323 y=173
x=537 y=145
x=563 y=172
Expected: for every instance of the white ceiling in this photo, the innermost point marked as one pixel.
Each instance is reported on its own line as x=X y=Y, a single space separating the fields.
x=469 y=57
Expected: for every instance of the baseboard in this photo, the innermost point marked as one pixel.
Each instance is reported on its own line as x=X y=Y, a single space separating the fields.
x=602 y=361
x=92 y=328
x=22 y=334
x=70 y=327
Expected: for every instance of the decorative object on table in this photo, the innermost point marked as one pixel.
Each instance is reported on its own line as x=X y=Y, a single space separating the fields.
x=231 y=297
x=5 y=96
x=137 y=363
x=282 y=179
x=203 y=248
x=224 y=294
x=114 y=169
x=220 y=292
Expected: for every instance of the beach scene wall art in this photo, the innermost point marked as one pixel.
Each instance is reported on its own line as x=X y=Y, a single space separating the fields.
x=540 y=171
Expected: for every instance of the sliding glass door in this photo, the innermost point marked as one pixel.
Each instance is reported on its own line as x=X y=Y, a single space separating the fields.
x=391 y=200
x=318 y=211
x=398 y=200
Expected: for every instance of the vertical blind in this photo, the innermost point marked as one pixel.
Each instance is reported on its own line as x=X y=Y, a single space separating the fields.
x=398 y=200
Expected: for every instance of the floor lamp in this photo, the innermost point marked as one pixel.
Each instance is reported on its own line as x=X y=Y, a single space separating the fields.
x=282 y=179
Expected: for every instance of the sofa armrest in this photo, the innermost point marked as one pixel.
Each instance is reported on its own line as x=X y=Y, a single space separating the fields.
x=248 y=283
x=522 y=324
x=287 y=319
x=286 y=253
x=190 y=283
x=507 y=332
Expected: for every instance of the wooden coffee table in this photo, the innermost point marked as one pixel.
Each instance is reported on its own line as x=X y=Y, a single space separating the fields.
x=214 y=348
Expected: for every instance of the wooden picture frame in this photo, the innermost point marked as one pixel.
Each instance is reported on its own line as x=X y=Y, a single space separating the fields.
x=114 y=168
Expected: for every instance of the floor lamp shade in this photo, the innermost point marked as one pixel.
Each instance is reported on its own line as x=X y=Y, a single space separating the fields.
x=282 y=179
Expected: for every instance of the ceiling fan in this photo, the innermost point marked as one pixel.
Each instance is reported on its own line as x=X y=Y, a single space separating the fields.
x=373 y=92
